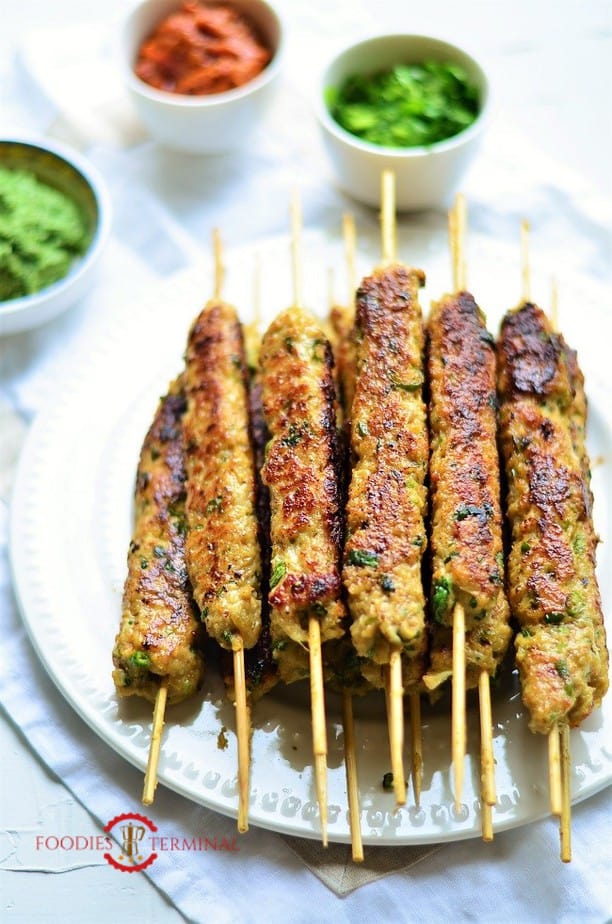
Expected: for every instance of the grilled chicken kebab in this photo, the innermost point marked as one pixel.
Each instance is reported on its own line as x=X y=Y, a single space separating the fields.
x=561 y=648
x=159 y=635
x=387 y=497
x=466 y=528
x=301 y=471
x=222 y=549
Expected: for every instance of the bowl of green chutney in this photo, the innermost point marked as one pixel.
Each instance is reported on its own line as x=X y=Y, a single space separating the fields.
x=54 y=223
x=413 y=104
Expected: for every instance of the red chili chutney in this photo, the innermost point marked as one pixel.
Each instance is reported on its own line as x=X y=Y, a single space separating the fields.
x=200 y=50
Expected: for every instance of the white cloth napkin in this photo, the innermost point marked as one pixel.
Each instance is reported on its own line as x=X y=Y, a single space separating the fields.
x=160 y=225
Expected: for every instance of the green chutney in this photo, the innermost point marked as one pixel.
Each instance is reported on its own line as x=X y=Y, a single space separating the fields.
x=41 y=232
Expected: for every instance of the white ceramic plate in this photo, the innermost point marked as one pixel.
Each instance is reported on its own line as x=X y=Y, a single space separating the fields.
x=71 y=523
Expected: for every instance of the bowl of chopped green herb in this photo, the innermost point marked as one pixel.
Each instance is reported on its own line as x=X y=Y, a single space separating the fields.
x=413 y=104
x=54 y=222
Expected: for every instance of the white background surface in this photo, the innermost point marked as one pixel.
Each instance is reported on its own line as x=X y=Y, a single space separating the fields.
x=552 y=76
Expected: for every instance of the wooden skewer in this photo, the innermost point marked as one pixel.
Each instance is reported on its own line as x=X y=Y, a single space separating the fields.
x=525 y=263
x=558 y=737
x=394 y=689
x=243 y=733
x=159 y=710
x=317 y=692
x=555 y=759
x=416 y=740
x=458 y=702
x=243 y=718
x=219 y=269
x=487 y=760
x=319 y=725
x=457 y=231
x=554 y=772
x=396 y=725
x=352 y=783
x=330 y=286
x=457 y=224
x=349 y=235
x=348 y=721
x=566 y=832
x=554 y=303
x=387 y=218
x=486 y=824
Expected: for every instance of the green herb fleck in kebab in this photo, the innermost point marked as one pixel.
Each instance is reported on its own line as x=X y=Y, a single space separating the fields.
x=440 y=598
x=140 y=659
x=278 y=573
x=362 y=559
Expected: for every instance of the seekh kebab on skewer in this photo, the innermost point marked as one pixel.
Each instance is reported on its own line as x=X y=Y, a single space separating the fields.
x=160 y=635
x=301 y=473
x=560 y=650
x=223 y=554
x=387 y=497
x=222 y=548
x=466 y=528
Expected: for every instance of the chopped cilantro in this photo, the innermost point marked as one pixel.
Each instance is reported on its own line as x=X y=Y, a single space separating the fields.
x=440 y=598
x=407 y=105
x=407 y=386
x=472 y=510
x=553 y=619
x=362 y=559
x=140 y=659
x=278 y=573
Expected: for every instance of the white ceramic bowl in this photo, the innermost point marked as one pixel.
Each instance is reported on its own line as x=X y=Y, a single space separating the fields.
x=426 y=177
x=64 y=169
x=201 y=124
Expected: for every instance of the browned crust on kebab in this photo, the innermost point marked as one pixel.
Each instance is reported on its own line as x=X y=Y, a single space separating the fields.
x=261 y=671
x=223 y=555
x=560 y=651
x=466 y=529
x=302 y=473
x=159 y=634
x=387 y=496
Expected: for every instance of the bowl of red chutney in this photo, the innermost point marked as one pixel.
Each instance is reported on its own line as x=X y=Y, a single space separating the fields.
x=199 y=74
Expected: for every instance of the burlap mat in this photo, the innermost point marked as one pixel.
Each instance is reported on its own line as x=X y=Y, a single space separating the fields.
x=335 y=868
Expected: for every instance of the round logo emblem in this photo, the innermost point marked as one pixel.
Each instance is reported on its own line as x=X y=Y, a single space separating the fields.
x=132 y=856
